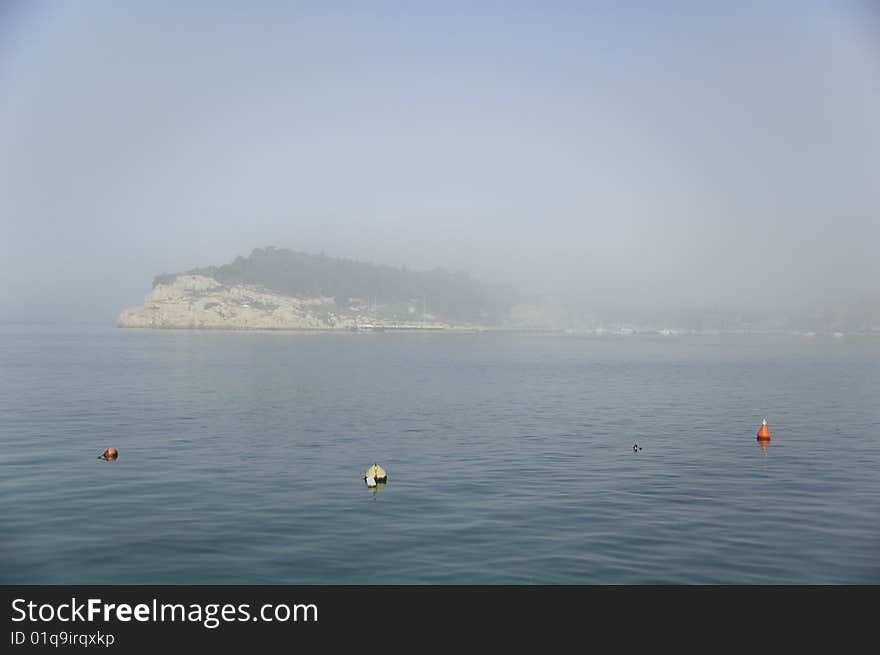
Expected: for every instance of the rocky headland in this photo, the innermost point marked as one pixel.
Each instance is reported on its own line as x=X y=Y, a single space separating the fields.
x=200 y=302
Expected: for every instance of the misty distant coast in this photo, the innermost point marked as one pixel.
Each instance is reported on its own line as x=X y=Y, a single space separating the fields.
x=275 y=289
x=279 y=289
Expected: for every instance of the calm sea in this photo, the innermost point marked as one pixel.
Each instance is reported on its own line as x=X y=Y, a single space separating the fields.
x=509 y=458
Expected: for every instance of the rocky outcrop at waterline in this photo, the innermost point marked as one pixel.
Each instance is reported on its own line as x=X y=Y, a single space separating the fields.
x=200 y=302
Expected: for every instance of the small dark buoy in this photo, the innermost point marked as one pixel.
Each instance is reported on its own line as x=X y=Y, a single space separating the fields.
x=636 y=447
x=109 y=454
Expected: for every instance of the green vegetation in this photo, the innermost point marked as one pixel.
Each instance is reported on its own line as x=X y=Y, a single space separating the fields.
x=452 y=296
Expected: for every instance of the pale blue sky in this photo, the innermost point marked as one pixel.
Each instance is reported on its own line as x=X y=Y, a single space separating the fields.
x=677 y=152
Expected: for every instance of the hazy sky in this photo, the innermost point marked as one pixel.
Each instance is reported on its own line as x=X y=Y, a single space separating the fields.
x=677 y=152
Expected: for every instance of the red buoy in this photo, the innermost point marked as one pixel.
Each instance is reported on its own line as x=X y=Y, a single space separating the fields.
x=764 y=431
x=109 y=453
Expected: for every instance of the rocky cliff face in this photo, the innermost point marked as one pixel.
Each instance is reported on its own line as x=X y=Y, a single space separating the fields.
x=196 y=301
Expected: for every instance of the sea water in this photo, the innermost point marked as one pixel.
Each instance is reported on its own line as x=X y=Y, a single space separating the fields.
x=509 y=458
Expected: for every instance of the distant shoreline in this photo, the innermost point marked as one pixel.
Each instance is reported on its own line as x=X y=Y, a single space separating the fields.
x=521 y=331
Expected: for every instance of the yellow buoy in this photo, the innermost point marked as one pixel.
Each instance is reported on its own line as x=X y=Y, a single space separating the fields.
x=377 y=473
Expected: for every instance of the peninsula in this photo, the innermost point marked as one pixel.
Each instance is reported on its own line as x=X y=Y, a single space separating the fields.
x=277 y=289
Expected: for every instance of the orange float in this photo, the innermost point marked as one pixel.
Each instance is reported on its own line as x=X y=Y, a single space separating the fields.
x=764 y=431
